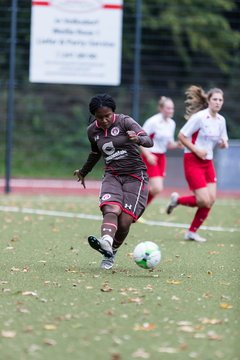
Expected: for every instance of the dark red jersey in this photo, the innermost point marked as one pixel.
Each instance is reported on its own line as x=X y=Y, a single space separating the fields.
x=121 y=155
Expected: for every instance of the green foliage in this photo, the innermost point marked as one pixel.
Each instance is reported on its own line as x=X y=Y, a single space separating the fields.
x=196 y=26
x=199 y=38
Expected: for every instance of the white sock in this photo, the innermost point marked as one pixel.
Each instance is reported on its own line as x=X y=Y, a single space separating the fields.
x=107 y=238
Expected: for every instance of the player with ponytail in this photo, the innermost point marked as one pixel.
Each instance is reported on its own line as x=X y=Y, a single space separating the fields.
x=205 y=128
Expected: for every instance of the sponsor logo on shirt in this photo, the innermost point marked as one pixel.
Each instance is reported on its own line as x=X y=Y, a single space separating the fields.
x=120 y=154
x=108 y=148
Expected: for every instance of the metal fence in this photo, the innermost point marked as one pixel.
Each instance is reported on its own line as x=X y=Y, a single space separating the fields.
x=150 y=68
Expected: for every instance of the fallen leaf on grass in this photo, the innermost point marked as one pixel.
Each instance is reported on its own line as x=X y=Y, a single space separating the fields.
x=29 y=293
x=50 y=327
x=25 y=269
x=174 y=282
x=184 y=323
x=183 y=346
x=109 y=312
x=136 y=300
x=115 y=356
x=141 y=354
x=70 y=270
x=145 y=327
x=213 y=252
x=148 y=287
x=50 y=342
x=124 y=291
x=187 y=328
x=213 y=336
x=4 y=290
x=116 y=340
x=28 y=329
x=9 y=248
x=206 y=295
x=27 y=218
x=168 y=350
x=33 y=348
x=224 y=283
x=23 y=310
x=211 y=321
x=106 y=288
x=9 y=334
x=14 y=239
x=225 y=306
x=199 y=336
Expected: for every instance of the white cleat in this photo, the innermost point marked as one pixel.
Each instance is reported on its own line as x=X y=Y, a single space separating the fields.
x=173 y=202
x=108 y=262
x=103 y=245
x=193 y=236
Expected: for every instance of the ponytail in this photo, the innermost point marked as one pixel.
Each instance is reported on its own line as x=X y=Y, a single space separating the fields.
x=196 y=100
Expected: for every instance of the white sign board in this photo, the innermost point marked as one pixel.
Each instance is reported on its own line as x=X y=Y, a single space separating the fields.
x=76 y=42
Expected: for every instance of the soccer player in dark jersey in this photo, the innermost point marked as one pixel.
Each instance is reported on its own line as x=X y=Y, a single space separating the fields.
x=124 y=190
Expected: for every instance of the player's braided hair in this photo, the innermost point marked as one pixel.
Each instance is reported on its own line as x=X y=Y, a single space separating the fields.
x=197 y=99
x=101 y=100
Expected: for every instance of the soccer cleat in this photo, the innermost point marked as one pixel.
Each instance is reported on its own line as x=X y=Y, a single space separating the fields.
x=173 y=202
x=108 y=262
x=102 y=245
x=190 y=235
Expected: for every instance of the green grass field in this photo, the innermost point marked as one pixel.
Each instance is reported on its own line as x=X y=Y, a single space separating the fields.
x=57 y=304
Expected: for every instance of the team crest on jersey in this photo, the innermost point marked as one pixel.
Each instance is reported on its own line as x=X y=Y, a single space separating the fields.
x=96 y=138
x=106 y=197
x=115 y=131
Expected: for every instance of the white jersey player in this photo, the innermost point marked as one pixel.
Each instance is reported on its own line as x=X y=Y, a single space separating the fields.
x=161 y=128
x=204 y=129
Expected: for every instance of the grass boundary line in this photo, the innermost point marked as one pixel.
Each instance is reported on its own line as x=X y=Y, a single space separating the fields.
x=66 y=214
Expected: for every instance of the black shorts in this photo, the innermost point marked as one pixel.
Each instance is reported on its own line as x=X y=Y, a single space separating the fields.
x=130 y=192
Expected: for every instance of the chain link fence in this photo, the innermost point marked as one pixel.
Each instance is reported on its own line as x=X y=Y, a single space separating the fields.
x=49 y=132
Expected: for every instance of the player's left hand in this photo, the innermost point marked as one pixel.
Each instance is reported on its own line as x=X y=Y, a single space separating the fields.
x=132 y=136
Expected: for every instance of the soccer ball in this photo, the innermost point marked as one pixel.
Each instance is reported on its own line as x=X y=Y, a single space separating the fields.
x=147 y=255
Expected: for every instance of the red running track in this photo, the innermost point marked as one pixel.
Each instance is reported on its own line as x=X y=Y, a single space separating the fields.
x=72 y=187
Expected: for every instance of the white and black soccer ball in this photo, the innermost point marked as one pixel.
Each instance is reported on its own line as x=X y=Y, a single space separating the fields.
x=147 y=255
